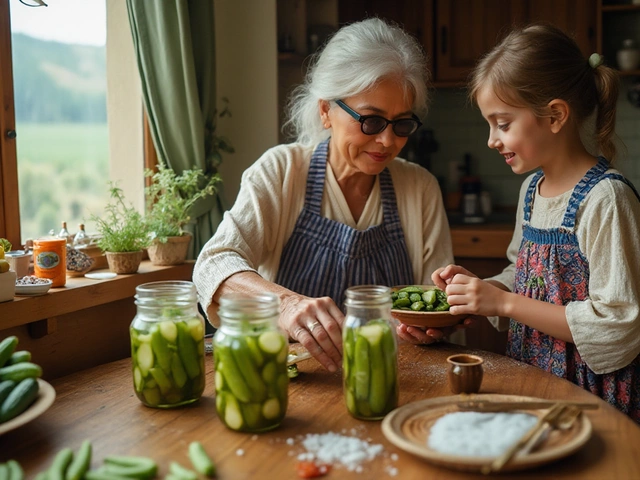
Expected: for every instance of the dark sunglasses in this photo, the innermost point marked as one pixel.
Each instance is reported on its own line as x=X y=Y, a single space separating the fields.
x=374 y=124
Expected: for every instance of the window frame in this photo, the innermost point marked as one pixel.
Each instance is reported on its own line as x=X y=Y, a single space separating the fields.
x=9 y=197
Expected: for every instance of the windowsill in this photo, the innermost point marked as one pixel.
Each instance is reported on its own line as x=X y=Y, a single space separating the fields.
x=80 y=293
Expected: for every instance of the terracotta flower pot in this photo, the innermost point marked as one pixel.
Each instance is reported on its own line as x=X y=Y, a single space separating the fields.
x=124 y=262
x=173 y=252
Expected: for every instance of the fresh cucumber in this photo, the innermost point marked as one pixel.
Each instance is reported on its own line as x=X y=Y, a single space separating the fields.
x=5 y=389
x=200 y=460
x=19 y=357
x=4 y=472
x=80 y=463
x=141 y=468
x=19 y=399
x=61 y=462
x=20 y=371
x=7 y=347
x=100 y=474
x=181 y=472
x=15 y=470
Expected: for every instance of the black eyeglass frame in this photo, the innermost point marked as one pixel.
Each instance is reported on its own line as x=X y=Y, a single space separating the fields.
x=364 y=118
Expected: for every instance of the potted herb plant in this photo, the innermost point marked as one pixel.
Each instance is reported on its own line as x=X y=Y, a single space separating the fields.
x=124 y=233
x=169 y=199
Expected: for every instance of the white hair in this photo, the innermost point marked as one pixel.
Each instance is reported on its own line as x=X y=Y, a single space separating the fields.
x=354 y=60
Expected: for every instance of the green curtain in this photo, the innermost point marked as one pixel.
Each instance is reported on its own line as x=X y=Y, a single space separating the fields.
x=175 y=49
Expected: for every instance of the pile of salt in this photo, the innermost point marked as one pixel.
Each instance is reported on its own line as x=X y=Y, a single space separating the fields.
x=478 y=434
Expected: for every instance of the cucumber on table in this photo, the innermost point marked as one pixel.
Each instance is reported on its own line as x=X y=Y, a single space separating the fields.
x=200 y=460
x=81 y=462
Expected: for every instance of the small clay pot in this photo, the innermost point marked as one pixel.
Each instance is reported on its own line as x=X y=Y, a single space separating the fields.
x=465 y=373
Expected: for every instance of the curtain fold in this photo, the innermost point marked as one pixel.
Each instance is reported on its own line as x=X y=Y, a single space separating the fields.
x=175 y=48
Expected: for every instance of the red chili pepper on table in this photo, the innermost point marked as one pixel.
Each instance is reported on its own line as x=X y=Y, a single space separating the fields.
x=311 y=470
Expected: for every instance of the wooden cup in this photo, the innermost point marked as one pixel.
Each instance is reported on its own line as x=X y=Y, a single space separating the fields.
x=465 y=373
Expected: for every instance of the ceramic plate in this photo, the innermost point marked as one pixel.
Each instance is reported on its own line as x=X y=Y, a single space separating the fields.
x=37 y=289
x=46 y=396
x=100 y=275
x=408 y=428
x=426 y=319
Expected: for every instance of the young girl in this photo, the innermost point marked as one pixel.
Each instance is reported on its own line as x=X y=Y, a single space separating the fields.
x=575 y=273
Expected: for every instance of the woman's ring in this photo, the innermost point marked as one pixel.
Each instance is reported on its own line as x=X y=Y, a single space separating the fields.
x=313 y=325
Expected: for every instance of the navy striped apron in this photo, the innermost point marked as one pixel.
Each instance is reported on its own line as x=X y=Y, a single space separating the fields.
x=324 y=257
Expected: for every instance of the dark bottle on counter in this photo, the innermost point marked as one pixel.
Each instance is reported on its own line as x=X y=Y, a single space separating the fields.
x=470 y=187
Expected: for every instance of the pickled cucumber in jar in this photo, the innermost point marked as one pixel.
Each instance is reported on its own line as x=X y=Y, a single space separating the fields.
x=370 y=370
x=251 y=379
x=168 y=362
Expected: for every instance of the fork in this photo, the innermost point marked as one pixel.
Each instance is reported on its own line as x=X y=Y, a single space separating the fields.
x=550 y=416
x=564 y=421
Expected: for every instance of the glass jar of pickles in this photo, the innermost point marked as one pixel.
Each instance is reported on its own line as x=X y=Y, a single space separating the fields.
x=370 y=353
x=250 y=353
x=167 y=344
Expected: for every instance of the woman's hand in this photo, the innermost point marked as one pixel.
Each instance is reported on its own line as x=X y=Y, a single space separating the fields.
x=425 y=336
x=317 y=324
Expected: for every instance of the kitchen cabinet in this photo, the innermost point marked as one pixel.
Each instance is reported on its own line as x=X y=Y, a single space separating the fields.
x=467 y=29
x=617 y=22
x=456 y=33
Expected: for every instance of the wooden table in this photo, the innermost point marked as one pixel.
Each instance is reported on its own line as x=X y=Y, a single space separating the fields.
x=99 y=404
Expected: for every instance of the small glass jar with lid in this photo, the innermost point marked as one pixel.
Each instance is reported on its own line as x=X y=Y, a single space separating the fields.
x=250 y=354
x=370 y=353
x=167 y=344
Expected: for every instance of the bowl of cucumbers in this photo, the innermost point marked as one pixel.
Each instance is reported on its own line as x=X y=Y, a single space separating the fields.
x=23 y=395
x=422 y=306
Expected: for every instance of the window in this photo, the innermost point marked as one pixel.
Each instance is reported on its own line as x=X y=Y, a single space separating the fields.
x=66 y=147
x=59 y=78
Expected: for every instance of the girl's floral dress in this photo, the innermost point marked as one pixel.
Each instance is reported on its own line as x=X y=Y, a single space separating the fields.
x=551 y=268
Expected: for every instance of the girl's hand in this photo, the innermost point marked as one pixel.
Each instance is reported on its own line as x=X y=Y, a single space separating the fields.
x=425 y=336
x=317 y=324
x=469 y=294
x=444 y=276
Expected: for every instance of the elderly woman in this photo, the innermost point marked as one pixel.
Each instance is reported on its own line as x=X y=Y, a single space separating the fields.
x=337 y=208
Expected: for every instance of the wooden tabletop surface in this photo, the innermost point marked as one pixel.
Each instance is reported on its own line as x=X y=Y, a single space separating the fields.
x=99 y=404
